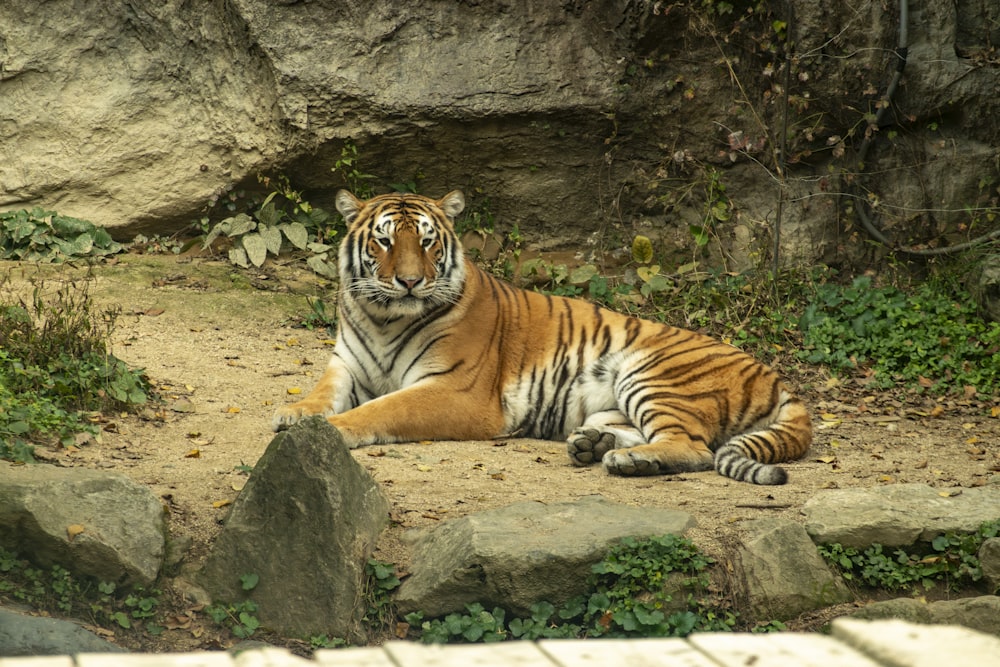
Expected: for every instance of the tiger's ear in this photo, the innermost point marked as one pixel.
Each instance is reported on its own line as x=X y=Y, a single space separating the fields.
x=452 y=203
x=348 y=205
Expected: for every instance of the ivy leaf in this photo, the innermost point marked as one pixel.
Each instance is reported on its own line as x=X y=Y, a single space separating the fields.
x=296 y=233
x=642 y=250
x=238 y=256
x=256 y=248
x=272 y=239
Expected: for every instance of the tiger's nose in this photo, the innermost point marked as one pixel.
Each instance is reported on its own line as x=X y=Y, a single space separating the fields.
x=409 y=283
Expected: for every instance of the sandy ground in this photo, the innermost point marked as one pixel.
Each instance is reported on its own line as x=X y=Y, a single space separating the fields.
x=224 y=349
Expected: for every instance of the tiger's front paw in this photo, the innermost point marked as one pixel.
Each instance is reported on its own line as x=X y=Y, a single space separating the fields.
x=588 y=445
x=287 y=415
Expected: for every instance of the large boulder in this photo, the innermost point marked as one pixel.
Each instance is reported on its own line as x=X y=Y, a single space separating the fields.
x=897 y=515
x=24 y=635
x=305 y=524
x=784 y=573
x=524 y=553
x=565 y=118
x=90 y=522
x=980 y=613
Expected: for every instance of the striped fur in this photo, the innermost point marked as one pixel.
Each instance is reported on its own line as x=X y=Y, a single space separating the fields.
x=430 y=347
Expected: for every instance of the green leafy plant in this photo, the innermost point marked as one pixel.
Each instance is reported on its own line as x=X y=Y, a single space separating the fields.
x=381 y=581
x=56 y=589
x=348 y=169
x=950 y=558
x=55 y=367
x=284 y=219
x=930 y=337
x=630 y=594
x=45 y=236
x=239 y=617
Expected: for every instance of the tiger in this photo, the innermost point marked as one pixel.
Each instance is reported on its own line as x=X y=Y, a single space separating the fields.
x=431 y=347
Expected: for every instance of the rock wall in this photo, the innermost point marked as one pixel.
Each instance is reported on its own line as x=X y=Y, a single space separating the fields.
x=573 y=120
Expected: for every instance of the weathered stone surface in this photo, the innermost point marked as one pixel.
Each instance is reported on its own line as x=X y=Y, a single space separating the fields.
x=989 y=561
x=521 y=554
x=22 y=635
x=784 y=573
x=979 y=613
x=122 y=536
x=983 y=283
x=569 y=117
x=305 y=524
x=896 y=515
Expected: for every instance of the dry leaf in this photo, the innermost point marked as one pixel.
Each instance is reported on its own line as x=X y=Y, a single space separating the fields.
x=292 y=341
x=294 y=390
x=937 y=411
x=827 y=459
x=238 y=485
x=924 y=382
x=328 y=341
x=921 y=464
x=423 y=468
x=73 y=530
x=377 y=453
x=950 y=493
x=498 y=475
x=221 y=503
x=829 y=417
x=153 y=312
x=233 y=410
x=193 y=454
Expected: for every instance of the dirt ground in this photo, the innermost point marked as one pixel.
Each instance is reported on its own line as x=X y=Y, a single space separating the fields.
x=224 y=348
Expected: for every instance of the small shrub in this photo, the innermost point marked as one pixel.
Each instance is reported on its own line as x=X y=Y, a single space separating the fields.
x=626 y=597
x=44 y=236
x=950 y=558
x=928 y=338
x=55 y=368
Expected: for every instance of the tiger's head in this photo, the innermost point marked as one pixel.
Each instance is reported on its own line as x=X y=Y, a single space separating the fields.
x=400 y=256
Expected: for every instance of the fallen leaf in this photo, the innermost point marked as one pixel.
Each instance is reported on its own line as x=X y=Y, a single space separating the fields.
x=221 y=503
x=950 y=493
x=73 y=530
x=827 y=459
x=233 y=410
x=377 y=453
x=153 y=312
x=829 y=417
x=924 y=382
x=193 y=454
x=328 y=341
x=423 y=468
x=995 y=411
x=292 y=341
x=238 y=485
x=294 y=390
x=498 y=475
x=920 y=465
x=937 y=411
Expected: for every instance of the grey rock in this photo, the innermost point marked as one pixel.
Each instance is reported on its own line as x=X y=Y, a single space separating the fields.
x=23 y=635
x=897 y=515
x=547 y=108
x=979 y=613
x=983 y=283
x=305 y=524
x=784 y=573
x=123 y=522
x=989 y=561
x=521 y=554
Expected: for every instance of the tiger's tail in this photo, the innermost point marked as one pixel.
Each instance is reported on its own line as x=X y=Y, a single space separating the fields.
x=750 y=457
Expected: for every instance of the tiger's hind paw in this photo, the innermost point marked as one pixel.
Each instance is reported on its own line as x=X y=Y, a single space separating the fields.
x=627 y=463
x=588 y=445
